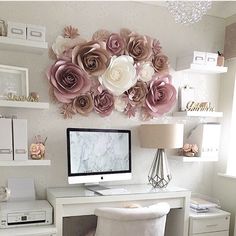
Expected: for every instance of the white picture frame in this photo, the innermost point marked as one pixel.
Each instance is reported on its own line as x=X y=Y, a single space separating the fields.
x=13 y=80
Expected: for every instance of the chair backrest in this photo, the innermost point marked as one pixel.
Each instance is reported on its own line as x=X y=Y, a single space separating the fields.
x=143 y=221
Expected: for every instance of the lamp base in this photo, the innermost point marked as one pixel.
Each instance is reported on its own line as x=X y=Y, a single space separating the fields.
x=159 y=175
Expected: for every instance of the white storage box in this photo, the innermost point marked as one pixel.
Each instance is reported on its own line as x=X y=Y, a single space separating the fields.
x=207 y=138
x=36 y=33
x=6 y=140
x=186 y=94
x=16 y=30
x=20 y=138
x=211 y=59
x=199 y=57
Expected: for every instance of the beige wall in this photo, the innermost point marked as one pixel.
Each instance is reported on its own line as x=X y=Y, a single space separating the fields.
x=177 y=40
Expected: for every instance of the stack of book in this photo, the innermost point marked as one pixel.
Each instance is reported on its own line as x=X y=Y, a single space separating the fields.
x=200 y=205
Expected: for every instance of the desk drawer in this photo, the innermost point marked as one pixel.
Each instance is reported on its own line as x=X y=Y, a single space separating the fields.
x=222 y=233
x=206 y=225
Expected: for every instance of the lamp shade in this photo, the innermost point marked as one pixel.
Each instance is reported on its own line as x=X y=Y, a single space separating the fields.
x=161 y=135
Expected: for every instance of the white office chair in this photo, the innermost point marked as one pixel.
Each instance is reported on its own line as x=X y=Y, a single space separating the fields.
x=143 y=221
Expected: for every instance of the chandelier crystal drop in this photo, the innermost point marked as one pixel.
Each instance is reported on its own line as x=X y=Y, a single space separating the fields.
x=188 y=12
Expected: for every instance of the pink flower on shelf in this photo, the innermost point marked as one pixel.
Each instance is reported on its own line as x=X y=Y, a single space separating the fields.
x=68 y=81
x=104 y=103
x=160 y=98
x=115 y=44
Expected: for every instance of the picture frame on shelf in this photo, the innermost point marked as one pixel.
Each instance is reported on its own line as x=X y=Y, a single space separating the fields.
x=14 y=80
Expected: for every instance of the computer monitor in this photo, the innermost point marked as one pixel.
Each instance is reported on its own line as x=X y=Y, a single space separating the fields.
x=97 y=155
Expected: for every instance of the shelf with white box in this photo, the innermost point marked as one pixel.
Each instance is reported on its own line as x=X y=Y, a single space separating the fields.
x=45 y=230
x=194 y=159
x=200 y=62
x=23 y=104
x=212 y=223
x=7 y=43
x=198 y=114
x=26 y=163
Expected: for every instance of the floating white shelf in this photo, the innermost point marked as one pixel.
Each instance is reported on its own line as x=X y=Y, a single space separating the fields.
x=22 y=45
x=204 y=69
x=194 y=159
x=26 y=163
x=198 y=114
x=19 y=104
x=29 y=231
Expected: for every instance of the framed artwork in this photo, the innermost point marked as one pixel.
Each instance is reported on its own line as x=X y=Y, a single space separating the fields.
x=13 y=80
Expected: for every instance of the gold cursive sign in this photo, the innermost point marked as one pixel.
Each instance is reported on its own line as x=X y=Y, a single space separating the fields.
x=199 y=106
x=32 y=98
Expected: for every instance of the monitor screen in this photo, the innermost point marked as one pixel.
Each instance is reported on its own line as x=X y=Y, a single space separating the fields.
x=96 y=155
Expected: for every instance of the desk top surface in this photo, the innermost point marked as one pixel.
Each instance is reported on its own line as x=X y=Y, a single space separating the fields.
x=81 y=191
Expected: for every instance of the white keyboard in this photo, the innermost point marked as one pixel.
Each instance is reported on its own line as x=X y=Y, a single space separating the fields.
x=112 y=191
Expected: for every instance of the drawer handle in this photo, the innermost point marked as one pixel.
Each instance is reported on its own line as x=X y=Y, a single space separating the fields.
x=212 y=225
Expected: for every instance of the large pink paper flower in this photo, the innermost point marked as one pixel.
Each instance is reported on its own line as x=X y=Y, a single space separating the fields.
x=160 y=98
x=115 y=44
x=104 y=103
x=68 y=81
x=91 y=57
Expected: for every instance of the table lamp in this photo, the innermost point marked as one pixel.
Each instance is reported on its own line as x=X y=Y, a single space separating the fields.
x=161 y=137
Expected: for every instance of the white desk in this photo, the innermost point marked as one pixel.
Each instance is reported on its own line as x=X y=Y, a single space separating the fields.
x=77 y=201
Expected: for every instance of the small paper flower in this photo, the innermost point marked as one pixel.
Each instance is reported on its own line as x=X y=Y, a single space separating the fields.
x=121 y=103
x=71 y=32
x=160 y=98
x=104 y=103
x=156 y=47
x=120 y=75
x=101 y=35
x=68 y=81
x=67 y=110
x=91 y=57
x=61 y=45
x=145 y=72
x=160 y=63
x=137 y=93
x=130 y=110
x=139 y=47
x=115 y=44
x=83 y=104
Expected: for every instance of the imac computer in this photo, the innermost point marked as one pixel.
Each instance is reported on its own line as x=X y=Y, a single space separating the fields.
x=97 y=155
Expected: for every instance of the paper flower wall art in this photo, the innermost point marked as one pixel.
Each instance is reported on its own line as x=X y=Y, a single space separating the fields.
x=124 y=71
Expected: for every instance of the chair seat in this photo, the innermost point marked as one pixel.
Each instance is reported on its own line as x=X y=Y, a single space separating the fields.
x=144 y=221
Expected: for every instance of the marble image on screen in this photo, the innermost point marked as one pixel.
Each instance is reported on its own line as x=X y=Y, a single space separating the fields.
x=99 y=152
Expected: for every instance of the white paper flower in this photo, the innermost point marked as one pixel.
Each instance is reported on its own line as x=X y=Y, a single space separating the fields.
x=121 y=103
x=63 y=44
x=120 y=75
x=146 y=72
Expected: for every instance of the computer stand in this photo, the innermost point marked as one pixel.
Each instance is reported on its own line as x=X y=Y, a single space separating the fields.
x=95 y=187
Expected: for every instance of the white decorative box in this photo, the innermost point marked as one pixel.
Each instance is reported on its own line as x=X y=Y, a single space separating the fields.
x=186 y=94
x=207 y=137
x=199 y=57
x=211 y=59
x=16 y=30
x=36 y=32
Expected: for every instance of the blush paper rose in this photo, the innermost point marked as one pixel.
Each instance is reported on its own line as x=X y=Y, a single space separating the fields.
x=120 y=75
x=91 y=57
x=160 y=63
x=139 y=47
x=68 y=81
x=160 y=98
x=83 y=104
x=137 y=94
x=115 y=44
x=104 y=103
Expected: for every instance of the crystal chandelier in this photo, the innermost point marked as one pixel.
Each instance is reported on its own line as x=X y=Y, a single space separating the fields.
x=188 y=12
